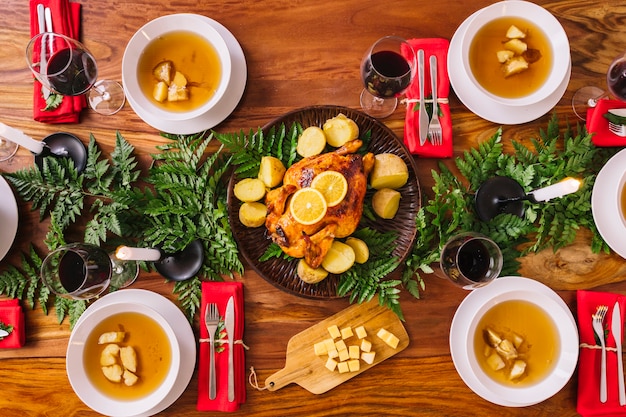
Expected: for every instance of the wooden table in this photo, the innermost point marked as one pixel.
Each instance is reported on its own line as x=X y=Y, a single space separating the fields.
x=299 y=53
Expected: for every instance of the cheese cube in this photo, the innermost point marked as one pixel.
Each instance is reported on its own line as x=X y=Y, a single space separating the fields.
x=340 y=345
x=344 y=355
x=389 y=338
x=320 y=348
x=354 y=365
x=360 y=332
x=330 y=344
x=368 y=357
x=333 y=353
x=331 y=364
x=366 y=345
x=346 y=332
x=354 y=352
x=334 y=332
x=343 y=367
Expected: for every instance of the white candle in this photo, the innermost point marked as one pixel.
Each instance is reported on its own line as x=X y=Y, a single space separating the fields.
x=21 y=139
x=126 y=253
x=560 y=189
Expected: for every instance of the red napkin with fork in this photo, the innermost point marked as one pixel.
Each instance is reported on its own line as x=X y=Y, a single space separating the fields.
x=12 y=321
x=66 y=21
x=599 y=125
x=219 y=293
x=588 y=403
x=438 y=47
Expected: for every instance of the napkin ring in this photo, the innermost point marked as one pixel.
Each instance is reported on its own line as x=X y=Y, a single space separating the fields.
x=440 y=100
x=224 y=340
x=588 y=346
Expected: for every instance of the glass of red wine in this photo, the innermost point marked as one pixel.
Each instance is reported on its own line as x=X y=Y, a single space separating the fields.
x=588 y=96
x=65 y=66
x=387 y=70
x=471 y=260
x=82 y=271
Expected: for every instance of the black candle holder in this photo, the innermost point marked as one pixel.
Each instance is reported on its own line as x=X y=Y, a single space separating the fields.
x=182 y=265
x=500 y=195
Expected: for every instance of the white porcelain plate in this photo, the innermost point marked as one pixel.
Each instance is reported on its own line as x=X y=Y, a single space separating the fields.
x=178 y=322
x=226 y=105
x=483 y=105
x=462 y=338
x=605 y=203
x=8 y=217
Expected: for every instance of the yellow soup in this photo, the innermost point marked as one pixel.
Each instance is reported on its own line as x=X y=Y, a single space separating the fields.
x=154 y=355
x=193 y=56
x=538 y=331
x=487 y=70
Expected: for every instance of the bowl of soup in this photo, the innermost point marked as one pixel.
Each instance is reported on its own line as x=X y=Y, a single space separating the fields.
x=176 y=67
x=123 y=359
x=514 y=342
x=516 y=53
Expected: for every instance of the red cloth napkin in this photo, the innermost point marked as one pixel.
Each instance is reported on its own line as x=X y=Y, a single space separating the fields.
x=220 y=292
x=439 y=48
x=66 y=21
x=11 y=314
x=599 y=125
x=589 y=362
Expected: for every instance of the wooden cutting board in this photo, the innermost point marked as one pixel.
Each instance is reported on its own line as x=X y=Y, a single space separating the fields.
x=306 y=369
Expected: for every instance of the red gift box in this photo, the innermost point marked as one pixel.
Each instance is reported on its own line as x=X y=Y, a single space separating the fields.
x=65 y=21
x=219 y=293
x=11 y=314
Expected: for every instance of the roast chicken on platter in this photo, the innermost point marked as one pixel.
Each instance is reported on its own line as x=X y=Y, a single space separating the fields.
x=312 y=242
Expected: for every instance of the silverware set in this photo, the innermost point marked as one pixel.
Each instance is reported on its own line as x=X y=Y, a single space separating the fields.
x=597 y=323
x=211 y=321
x=430 y=130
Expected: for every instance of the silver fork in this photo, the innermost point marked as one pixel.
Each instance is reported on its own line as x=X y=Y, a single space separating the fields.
x=619 y=130
x=597 y=322
x=434 y=127
x=211 y=320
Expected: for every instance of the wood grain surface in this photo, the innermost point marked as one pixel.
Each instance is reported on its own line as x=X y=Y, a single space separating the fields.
x=302 y=53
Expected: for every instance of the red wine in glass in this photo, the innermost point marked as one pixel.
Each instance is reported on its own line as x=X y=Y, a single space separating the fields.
x=471 y=260
x=387 y=69
x=616 y=78
x=72 y=71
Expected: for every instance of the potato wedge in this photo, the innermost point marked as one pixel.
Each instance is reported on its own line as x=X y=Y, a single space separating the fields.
x=390 y=171
x=271 y=171
x=113 y=373
x=109 y=355
x=129 y=358
x=252 y=214
x=130 y=378
x=311 y=142
x=361 y=251
x=111 y=337
x=339 y=258
x=310 y=275
x=339 y=130
x=386 y=202
x=249 y=190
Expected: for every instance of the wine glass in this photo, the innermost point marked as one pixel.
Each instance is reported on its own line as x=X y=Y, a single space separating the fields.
x=588 y=96
x=387 y=69
x=471 y=260
x=65 y=66
x=82 y=271
x=7 y=149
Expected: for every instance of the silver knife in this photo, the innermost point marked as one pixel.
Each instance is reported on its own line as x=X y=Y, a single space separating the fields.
x=616 y=329
x=230 y=330
x=423 y=116
x=41 y=18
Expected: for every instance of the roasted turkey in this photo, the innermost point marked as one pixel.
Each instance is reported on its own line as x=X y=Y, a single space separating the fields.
x=312 y=242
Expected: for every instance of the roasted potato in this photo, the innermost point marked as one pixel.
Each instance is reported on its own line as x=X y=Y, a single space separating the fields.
x=390 y=171
x=339 y=130
x=311 y=142
x=252 y=214
x=361 y=251
x=249 y=190
x=310 y=275
x=271 y=171
x=386 y=202
x=339 y=258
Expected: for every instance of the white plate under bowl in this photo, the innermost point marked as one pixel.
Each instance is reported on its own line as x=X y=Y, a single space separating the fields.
x=462 y=339
x=605 y=203
x=482 y=105
x=553 y=31
x=177 y=320
x=9 y=217
x=223 y=108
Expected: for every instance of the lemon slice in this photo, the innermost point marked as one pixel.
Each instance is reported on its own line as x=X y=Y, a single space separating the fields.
x=332 y=185
x=308 y=206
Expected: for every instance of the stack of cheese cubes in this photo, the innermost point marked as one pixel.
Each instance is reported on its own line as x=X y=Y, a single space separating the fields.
x=345 y=357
